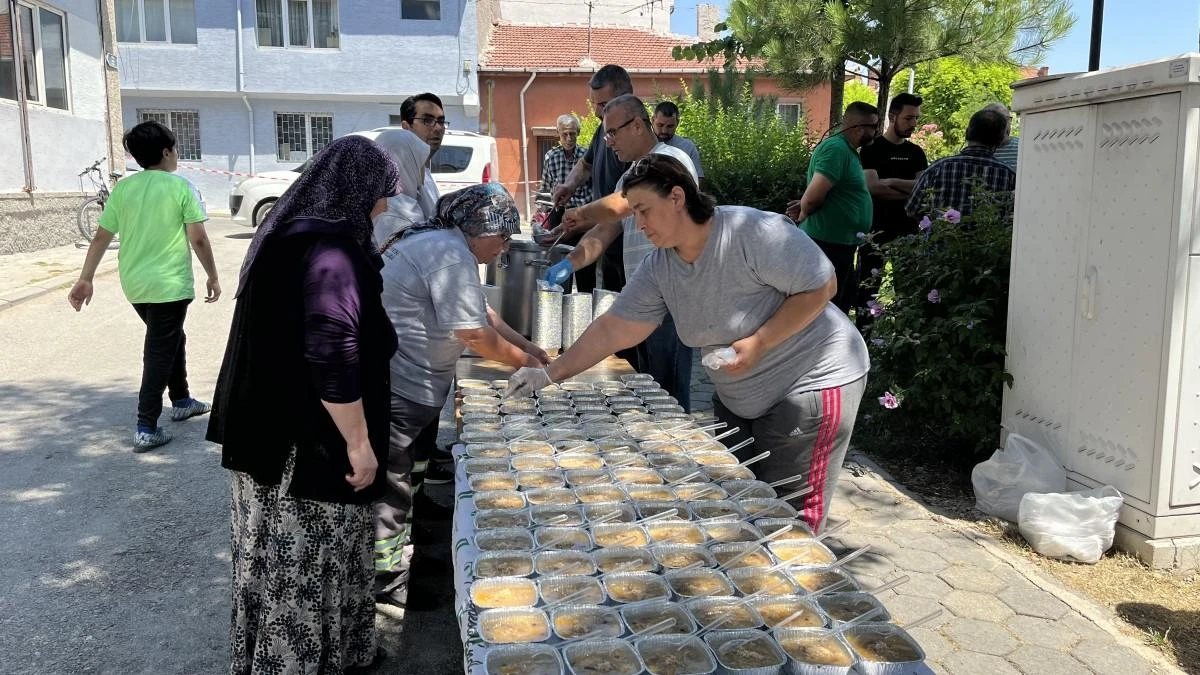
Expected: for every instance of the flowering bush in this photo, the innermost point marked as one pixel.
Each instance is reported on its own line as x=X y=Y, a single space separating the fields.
x=932 y=141
x=938 y=332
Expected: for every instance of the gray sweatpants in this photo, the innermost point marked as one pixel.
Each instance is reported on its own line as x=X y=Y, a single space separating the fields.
x=808 y=434
x=392 y=512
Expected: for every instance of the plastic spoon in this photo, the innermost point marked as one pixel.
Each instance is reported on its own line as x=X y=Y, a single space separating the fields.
x=849 y=556
x=777 y=483
x=889 y=585
x=568 y=598
x=750 y=548
x=739 y=446
x=866 y=616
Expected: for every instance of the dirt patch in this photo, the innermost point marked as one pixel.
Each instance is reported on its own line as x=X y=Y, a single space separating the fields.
x=1160 y=608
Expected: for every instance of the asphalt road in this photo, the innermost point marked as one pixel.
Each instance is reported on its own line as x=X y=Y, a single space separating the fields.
x=115 y=562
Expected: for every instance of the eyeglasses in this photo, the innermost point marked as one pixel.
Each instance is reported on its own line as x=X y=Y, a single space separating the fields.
x=639 y=168
x=612 y=133
x=429 y=120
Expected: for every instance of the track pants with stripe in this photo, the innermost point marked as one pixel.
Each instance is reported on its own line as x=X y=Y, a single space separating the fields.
x=808 y=434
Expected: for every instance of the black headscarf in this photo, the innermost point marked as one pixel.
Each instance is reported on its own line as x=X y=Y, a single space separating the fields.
x=338 y=189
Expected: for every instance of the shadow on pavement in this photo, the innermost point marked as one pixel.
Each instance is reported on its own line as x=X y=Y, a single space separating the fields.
x=1171 y=630
x=241 y=235
x=112 y=561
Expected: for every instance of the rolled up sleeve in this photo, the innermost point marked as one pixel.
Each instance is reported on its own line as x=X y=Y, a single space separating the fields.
x=332 y=318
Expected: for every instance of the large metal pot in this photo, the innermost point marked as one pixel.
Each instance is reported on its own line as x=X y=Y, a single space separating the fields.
x=517 y=280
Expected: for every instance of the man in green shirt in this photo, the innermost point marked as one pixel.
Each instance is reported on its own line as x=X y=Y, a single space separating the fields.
x=835 y=210
x=157 y=214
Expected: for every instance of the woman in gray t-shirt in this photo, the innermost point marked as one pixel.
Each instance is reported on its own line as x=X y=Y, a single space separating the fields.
x=750 y=280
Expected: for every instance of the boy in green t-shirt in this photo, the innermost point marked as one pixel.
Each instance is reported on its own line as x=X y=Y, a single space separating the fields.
x=157 y=215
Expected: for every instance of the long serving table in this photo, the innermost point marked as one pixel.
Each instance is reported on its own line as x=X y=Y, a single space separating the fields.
x=666 y=559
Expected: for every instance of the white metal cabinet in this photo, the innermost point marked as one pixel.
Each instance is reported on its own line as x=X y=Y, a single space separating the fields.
x=1104 y=313
x=1121 y=312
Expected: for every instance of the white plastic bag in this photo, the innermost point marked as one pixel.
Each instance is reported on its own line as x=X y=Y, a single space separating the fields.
x=719 y=357
x=1075 y=526
x=1023 y=466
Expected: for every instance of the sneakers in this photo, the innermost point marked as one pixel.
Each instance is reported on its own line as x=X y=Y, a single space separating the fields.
x=438 y=474
x=148 y=439
x=188 y=407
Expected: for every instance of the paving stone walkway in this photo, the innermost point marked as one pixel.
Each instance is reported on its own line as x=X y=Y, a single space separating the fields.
x=999 y=615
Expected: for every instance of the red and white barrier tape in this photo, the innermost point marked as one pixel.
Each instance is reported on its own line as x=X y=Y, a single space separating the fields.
x=219 y=172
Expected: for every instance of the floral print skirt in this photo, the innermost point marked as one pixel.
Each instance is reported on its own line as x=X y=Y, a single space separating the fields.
x=302 y=582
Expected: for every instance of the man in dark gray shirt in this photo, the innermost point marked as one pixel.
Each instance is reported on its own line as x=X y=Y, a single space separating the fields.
x=601 y=165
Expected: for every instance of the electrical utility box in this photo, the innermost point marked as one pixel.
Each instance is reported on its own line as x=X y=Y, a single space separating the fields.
x=1104 y=305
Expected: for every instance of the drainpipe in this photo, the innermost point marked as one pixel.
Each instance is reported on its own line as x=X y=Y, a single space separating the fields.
x=525 y=144
x=491 y=85
x=22 y=103
x=241 y=82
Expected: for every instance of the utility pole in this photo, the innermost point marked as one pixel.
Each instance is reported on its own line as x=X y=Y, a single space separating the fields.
x=590 y=5
x=1097 y=33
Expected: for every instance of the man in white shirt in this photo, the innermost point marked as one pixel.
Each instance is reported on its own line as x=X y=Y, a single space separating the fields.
x=628 y=131
x=423 y=115
x=665 y=122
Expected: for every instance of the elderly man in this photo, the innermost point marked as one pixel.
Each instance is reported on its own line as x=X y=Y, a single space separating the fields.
x=628 y=132
x=556 y=168
x=665 y=122
x=559 y=160
x=601 y=166
x=836 y=206
x=963 y=180
x=1006 y=153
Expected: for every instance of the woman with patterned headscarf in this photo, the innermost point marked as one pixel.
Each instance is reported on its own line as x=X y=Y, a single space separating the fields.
x=301 y=411
x=432 y=293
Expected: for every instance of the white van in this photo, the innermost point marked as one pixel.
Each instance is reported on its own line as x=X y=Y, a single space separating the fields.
x=465 y=159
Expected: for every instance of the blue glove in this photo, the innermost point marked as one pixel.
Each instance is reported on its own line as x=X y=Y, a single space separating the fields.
x=559 y=273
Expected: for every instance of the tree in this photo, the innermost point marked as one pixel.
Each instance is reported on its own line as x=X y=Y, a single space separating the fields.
x=953 y=90
x=803 y=41
x=857 y=91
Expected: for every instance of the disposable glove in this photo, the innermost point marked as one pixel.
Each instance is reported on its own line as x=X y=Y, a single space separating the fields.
x=559 y=273
x=526 y=381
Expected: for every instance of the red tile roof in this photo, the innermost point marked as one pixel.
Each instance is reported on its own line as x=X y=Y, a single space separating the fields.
x=550 y=48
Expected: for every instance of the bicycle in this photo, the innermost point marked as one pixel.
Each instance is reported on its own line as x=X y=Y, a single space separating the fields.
x=87 y=219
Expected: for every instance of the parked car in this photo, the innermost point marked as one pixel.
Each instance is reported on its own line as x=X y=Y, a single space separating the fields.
x=465 y=159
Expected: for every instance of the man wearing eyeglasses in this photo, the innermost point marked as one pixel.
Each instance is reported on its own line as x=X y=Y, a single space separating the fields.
x=423 y=115
x=836 y=208
x=628 y=132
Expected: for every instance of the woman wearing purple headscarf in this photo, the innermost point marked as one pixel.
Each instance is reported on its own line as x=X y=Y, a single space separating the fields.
x=301 y=412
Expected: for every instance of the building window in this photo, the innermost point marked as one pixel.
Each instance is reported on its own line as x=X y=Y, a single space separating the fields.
x=789 y=114
x=172 y=21
x=185 y=124
x=297 y=23
x=299 y=136
x=41 y=61
x=421 y=10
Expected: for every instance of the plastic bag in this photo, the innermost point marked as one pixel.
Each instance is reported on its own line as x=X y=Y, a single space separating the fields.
x=1023 y=466
x=1075 y=526
x=719 y=357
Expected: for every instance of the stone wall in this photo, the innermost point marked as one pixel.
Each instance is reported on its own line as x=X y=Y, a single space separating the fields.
x=30 y=223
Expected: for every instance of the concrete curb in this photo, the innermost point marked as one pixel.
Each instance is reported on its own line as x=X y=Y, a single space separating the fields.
x=1097 y=614
x=22 y=294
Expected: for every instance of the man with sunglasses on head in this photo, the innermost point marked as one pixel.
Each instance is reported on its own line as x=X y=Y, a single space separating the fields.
x=602 y=167
x=423 y=115
x=836 y=206
x=627 y=130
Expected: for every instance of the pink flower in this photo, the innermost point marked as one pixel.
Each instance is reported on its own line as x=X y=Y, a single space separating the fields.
x=874 y=271
x=952 y=216
x=926 y=224
x=934 y=296
x=862 y=236
x=875 y=307
x=929 y=127
x=889 y=401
